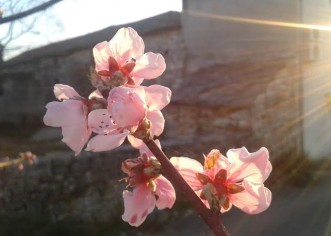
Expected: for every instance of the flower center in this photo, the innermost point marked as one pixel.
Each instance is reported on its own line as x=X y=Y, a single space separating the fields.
x=217 y=191
x=118 y=75
x=142 y=170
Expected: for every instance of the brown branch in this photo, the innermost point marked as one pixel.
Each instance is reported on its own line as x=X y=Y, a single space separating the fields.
x=212 y=219
x=28 y=12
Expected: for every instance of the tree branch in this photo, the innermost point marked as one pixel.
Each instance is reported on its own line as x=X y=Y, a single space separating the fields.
x=212 y=219
x=28 y=12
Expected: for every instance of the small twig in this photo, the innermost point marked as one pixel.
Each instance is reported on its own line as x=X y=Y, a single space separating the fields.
x=28 y=12
x=212 y=219
x=11 y=162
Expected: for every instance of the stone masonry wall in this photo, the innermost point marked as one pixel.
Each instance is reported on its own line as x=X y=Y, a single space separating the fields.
x=244 y=103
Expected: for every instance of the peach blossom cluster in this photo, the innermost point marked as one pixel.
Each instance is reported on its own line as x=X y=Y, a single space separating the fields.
x=121 y=108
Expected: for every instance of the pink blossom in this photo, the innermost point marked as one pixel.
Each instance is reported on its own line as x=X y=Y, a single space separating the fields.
x=142 y=200
x=236 y=180
x=150 y=189
x=70 y=115
x=108 y=134
x=124 y=56
x=129 y=105
x=78 y=119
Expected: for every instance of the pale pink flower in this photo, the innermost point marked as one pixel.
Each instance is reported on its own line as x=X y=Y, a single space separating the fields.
x=129 y=105
x=236 y=180
x=150 y=189
x=142 y=200
x=71 y=115
x=108 y=134
x=124 y=55
x=78 y=119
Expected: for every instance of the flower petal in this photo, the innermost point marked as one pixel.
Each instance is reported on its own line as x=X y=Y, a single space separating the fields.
x=101 y=143
x=165 y=192
x=64 y=92
x=157 y=120
x=253 y=200
x=127 y=106
x=139 y=144
x=254 y=167
x=71 y=116
x=135 y=142
x=101 y=53
x=126 y=44
x=95 y=94
x=137 y=205
x=137 y=81
x=149 y=66
x=100 y=122
x=188 y=167
x=157 y=97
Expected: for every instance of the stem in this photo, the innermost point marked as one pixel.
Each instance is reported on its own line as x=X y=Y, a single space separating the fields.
x=212 y=219
x=11 y=162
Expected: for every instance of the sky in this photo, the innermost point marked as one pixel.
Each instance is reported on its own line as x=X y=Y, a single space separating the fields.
x=71 y=18
x=81 y=16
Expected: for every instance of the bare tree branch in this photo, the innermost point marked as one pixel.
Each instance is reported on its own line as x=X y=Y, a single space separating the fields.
x=28 y=12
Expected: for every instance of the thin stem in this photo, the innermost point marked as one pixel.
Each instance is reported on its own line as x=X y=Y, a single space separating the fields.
x=11 y=162
x=212 y=219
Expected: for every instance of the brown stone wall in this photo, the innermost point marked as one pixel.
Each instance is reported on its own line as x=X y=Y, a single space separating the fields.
x=245 y=103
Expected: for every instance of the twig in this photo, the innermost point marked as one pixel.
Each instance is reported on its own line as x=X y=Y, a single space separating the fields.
x=212 y=219
x=28 y=12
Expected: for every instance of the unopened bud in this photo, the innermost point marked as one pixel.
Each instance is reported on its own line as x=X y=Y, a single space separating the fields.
x=129 y=164
x=143 y=130
x=20 y=166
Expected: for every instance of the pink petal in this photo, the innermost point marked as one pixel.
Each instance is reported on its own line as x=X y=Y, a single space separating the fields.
x=137 y=81
x=165 y=192
x=127 y=106
x=100 y=122
x=135 y=142
x=101 y=53
x=157 y=97
x=64 y=92
x=157 y=121
x=149 y=66
x=100 y=143
x=253 y=200
x=95 y=94
x=137 y=205
x=254 y=167
x=126 y=44
x=71 y=116
x=188 y=167
x=139 y=144
x=140 y=90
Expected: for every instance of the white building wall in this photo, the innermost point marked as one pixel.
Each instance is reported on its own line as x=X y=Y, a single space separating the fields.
x=316 y=79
